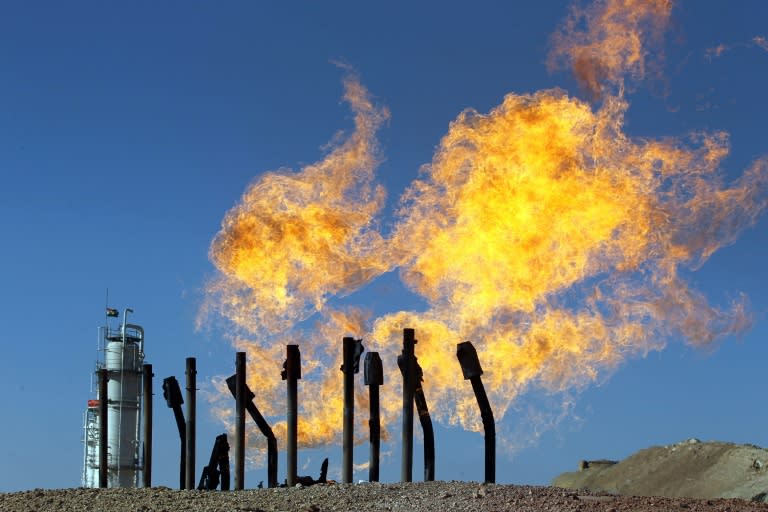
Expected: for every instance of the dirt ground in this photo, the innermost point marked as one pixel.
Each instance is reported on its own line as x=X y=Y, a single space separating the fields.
x=688 y=469
x=418 y=497
x=691 y=476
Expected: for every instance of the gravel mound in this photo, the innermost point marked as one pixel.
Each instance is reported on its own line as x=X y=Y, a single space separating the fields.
x=418 y=497
x=688 y=469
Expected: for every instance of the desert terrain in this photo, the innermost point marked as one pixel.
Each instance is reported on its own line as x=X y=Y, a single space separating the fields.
x=690 y=475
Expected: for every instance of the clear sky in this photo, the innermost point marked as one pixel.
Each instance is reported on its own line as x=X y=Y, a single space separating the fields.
x=128 y=131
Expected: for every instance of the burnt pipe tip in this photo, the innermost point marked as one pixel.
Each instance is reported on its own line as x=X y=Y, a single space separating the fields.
x=467 y=356
x=232 y=386
x=373 y=373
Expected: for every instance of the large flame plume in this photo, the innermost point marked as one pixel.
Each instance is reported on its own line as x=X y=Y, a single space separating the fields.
x=540 y=231
x=556 y=242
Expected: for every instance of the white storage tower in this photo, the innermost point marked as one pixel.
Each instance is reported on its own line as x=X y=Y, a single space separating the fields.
x=121 y=352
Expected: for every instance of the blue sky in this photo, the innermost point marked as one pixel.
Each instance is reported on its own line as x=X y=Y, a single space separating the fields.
x=128 y=131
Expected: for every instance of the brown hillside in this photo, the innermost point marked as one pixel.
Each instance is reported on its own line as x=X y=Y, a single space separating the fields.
x=688 y=469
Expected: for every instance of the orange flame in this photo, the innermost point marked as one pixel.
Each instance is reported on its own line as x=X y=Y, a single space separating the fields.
x=297 y=238
x=540 y=231
x=548 y=236
x=610 y=39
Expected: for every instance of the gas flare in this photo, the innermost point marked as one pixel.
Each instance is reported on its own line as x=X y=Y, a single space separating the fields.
x=611 y=39
x=540 y=231
x=551 y=239
x=297 y=238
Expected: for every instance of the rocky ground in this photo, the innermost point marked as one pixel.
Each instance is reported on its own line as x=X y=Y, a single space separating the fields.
x=418 y=497
x=690 y=476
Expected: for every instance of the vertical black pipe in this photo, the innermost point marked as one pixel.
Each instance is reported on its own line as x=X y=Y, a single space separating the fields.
x=217 y=470
x=349 y=410
x=191 y=373
x=375 y=429
x=490 y=429
x=374 y=377
x=172 y=395
x=271 y=458
x=424 y=418
x=147 y=390
x=408 y=366
x=470 y=367
x=291 y=374
x=240 y=398
x=182 y=427
x=429 y=434
x=224 y=464
x=265 y=429
x=103 y=427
